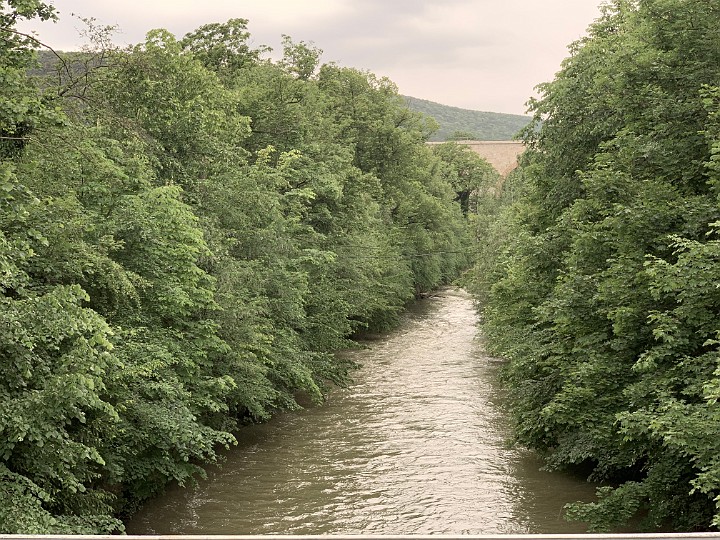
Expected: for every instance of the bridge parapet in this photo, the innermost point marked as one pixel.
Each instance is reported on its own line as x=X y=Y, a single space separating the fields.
x=643 y=536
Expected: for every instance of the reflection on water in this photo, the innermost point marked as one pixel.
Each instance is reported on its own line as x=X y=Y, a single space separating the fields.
x=415 y=446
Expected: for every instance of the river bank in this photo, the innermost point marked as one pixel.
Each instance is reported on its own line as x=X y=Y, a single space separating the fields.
x=416 y=445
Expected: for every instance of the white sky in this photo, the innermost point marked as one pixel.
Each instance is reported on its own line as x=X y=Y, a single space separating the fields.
x=476 y=54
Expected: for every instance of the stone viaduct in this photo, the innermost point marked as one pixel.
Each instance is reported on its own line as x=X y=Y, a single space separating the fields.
x=503 y=155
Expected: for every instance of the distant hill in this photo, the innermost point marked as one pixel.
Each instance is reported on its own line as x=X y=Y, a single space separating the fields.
x=472 y=125
x=477 y=125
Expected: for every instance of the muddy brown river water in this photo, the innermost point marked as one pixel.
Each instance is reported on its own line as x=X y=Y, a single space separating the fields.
x=416 y=445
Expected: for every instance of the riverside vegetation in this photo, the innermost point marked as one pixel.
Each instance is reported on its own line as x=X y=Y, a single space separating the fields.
x=188 y=230
x=601 y=269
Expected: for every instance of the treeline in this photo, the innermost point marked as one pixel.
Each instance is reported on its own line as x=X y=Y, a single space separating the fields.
x=601 y=280
x=188 y=230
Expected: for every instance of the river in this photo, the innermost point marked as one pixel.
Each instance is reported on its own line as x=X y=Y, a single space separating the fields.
x=416 y=445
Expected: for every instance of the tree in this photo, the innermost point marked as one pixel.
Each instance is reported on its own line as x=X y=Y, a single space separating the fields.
x=465 y=171
x=168 y=273
x=301 y=59
x=609 y=352
x=222 y=47
x=21 y=107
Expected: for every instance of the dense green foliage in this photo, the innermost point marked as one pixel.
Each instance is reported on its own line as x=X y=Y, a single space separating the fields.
x=456 y=124
x=602 y=277
x=187 y=233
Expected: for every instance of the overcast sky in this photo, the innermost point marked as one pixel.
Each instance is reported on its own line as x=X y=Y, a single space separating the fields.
x=484 y=55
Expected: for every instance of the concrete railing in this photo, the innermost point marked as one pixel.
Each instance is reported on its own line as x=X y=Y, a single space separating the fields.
x=644 y=536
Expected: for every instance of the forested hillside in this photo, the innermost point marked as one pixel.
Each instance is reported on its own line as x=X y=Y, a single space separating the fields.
x=455 y=123
x=601 y=279
x=187 y=232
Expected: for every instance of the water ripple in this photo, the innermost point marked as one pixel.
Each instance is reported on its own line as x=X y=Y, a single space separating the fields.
x=415 y=445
